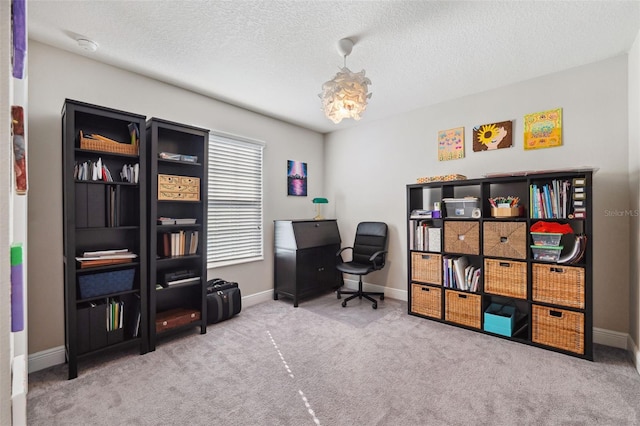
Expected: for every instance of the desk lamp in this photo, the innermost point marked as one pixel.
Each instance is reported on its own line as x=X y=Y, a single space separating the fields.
x=319 y=202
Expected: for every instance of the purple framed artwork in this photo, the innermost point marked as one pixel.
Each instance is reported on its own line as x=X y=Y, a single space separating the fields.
x=296 y=178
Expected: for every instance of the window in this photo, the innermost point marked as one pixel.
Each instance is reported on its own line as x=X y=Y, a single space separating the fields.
x=234 y=207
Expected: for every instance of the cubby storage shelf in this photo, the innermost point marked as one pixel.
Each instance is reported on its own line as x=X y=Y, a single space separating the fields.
x=553 y=301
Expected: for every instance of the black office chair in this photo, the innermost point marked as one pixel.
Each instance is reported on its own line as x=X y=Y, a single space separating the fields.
x=368 y=254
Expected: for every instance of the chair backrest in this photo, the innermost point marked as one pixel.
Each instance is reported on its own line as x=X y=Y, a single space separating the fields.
x=370 y=238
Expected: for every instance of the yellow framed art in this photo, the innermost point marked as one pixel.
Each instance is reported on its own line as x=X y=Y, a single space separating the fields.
x=543 y=129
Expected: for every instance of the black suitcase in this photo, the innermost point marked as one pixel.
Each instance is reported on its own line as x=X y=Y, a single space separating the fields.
x=223 y=300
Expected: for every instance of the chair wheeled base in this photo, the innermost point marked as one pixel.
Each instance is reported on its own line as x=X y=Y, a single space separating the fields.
x=360 y=294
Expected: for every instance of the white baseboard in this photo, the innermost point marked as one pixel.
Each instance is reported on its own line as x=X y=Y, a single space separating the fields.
x=54 y=356
x=635 y=353
x=256 y=298
x=614 y=339
x=47 y=358
x=392 y=293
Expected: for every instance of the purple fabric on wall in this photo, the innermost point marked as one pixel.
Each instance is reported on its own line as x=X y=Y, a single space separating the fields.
x=18 y=13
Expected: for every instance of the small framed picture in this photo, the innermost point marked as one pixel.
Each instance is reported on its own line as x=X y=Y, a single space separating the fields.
x=296 y=178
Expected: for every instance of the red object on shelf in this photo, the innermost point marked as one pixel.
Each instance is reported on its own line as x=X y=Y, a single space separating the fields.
x=554 y=227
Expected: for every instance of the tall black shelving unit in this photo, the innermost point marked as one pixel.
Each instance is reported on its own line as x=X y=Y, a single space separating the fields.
x=177 y=180
x=552 y=301
x=103 y=215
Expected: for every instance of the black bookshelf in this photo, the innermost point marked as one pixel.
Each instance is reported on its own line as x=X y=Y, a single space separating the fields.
x=177 y=180
x=103 y=215
x=552 y=300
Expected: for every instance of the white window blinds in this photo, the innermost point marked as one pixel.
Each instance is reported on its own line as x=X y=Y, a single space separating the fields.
x=234 y=200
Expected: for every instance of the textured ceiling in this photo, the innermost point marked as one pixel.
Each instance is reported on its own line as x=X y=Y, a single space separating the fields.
x=273 y=56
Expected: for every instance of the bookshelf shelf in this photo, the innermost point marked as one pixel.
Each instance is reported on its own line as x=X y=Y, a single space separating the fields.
x=90 y=152
x=552 y=300
x=116 y=294
x=182 y=163
x=168 y=137
x=88 y=208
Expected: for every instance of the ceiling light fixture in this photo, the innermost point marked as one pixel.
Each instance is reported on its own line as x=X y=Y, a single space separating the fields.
x=345 y=96
x=88 y=45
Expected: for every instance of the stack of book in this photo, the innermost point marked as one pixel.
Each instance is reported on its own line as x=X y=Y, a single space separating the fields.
x=550 y=200
x=178 y=243
x=176 y=221
x=459 y=274
x=114 y=314
x=91 y=259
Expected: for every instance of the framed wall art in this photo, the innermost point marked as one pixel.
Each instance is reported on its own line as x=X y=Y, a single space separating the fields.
x=296 y=178
x=451 y=144
x=489 y=137
x=543 y=129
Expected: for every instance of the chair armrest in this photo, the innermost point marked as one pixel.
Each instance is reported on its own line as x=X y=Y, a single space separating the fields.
x=373 y=257
x=343 y=249
x=339 y=254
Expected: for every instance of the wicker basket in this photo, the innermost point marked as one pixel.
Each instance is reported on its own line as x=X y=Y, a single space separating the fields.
x=505 y=239
x=100 y=143
x=462 y=237
x=426 y=300
x=505 y=278
x=463 y=308
x=426 y=268
x=559 y=285
x=558 y=328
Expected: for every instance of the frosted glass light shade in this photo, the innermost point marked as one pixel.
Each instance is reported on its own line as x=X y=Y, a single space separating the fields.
x=345 y=96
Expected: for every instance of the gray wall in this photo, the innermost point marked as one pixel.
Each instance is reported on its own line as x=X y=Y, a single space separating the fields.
x=372 y=163
x=367 y=167
x=55 y=75
x=634 y=196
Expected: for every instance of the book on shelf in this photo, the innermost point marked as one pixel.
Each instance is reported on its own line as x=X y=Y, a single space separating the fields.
x=102 y=262
x=183 y=242
x=459 y=274
x=550 y=200
x=176 y=221
x=91 y=259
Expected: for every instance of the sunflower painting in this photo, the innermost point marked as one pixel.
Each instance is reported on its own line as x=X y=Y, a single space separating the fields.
x=488 y=137
x=451 y=144
x=543 y=129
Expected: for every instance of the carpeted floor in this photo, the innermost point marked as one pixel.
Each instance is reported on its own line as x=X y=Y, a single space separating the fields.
x=323 y=364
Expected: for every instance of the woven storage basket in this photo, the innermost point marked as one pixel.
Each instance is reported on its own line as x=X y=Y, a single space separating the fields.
x=558 y=328
x=559 y=285
x=462 y=237
x=505 y=278
x=505 y=239
x=463 y=308
x=100 y=143
x=426 y=300
x=426 y=268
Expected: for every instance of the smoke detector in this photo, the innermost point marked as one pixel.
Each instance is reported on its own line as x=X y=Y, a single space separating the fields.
x=87 y=45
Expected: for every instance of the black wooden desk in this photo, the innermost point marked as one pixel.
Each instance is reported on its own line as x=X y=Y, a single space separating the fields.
x=305 y=258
